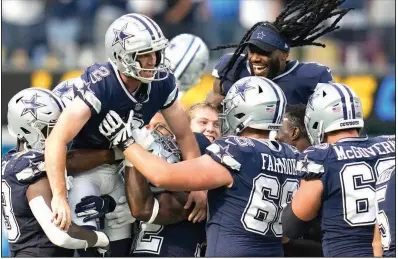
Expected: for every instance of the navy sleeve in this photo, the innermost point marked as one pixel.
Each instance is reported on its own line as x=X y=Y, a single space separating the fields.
x=221 y=65
x=203 y=142
x=170 y=91
x=326 y=76
x=226 y=153
x=311 y=163
x=91 y=87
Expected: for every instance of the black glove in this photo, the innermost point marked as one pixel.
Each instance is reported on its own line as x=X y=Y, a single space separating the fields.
x=95 y=207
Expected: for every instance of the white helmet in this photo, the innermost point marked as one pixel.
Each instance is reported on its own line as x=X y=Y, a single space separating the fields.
x=32 y=113
x=133 y=35
x=332 y=107
x=189 y=56
x=254 y=102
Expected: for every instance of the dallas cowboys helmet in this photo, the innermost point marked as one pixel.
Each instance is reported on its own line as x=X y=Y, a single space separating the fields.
x=332 y=107
x=254 y=102
x=133 y=35
x=164 y=147
x=189 y=56
x=32 y=113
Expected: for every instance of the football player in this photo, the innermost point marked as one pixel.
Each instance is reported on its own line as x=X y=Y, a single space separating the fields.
x=293 y=130
x=339 y=174
x=136 y=77
x=203 y=118
x=385 y=213
x=189 y=56
x=268 y=45
x=25 y=190
x=250 y=178
x=162 y=213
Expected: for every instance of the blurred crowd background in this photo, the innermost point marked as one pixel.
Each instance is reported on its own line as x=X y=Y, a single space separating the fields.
x=47 y=41
x=64 y=34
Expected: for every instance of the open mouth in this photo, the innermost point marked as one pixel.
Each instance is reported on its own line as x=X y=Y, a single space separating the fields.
x=259 y=69
x=211 y=138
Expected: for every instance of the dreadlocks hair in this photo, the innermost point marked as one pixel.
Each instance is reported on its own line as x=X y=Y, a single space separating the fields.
x=298 y=23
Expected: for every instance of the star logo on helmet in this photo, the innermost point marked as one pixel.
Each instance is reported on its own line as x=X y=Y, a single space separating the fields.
x=261 y=35
x=63 y=90
x=121 y=36
x=241 y=89
x=31 y=106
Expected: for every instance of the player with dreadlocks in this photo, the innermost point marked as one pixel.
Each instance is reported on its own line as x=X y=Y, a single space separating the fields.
x=264 y=50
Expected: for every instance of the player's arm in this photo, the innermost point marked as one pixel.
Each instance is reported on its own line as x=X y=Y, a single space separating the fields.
x=81 y=160
x=177 y=120
x=71 y=121
x=298 y=215
x=376 y=244
x=202 y=173
x=164 y=209
x=215 y=96
x=39 y=198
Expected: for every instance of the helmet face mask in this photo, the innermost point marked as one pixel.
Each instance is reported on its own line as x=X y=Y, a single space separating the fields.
x=165 y=147
x=332 y=107
x=253 y=102
x=131 y=36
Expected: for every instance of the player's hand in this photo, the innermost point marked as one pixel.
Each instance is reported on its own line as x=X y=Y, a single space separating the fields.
x=61 y=212
x=95 y=207
x=121 y=216
x=116 y=130
x=199 y=212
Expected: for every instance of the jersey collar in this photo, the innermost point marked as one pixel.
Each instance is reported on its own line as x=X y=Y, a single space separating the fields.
x=129 y=95
x=361 y=138
x=290 y=66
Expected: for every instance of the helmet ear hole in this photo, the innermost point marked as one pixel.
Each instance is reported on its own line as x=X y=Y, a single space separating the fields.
x=260 y=90
x=25 y=130
x=239 y=115
x=315 y=125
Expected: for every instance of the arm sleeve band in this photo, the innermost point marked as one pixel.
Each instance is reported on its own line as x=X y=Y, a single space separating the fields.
x=292 y=226
x=155 y=210
x=58 y=237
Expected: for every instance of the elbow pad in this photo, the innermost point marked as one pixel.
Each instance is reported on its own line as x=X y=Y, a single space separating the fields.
x=292 y=226
x=58 y=237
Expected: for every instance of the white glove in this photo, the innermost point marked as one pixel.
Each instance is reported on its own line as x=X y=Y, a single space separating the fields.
x=121 y=216
x=116 y=131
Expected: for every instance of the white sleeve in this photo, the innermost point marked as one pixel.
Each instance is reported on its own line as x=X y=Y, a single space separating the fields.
x=58 y=237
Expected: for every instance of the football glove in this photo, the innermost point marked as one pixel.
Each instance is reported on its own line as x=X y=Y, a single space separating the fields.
x=95 y=207
x=116 y=130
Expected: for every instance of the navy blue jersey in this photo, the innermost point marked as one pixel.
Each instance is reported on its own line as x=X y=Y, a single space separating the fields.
x=102 y=89
x=183 y=239
x=386 y=206
x=348 y=170
x=297 y=81
x=24 y=233
x=245 y=220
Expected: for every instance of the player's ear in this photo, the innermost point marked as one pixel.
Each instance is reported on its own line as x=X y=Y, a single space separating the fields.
x=295 y=133
x=283 y=56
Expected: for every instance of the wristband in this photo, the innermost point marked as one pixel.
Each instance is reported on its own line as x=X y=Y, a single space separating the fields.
x=155 y=211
